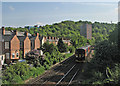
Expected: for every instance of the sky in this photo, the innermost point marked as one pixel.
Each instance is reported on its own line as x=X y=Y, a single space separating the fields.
x=60 y=0
x=20 y=14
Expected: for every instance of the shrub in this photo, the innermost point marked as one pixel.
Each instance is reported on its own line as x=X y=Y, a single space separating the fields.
x=62 y=47
x=71 y=49
x=19 y=72
x=17 y=79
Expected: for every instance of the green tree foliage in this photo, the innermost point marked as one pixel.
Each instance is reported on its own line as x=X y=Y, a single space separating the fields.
x=19 y=72
x=71 y=49
x=71 y=29
x=62 y=47
x=78 y=41
x=33 y=58
x=105 y=64
x=106 y=52
x=49 y=47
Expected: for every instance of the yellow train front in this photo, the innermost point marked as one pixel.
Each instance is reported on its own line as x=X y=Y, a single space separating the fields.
x=81 y=53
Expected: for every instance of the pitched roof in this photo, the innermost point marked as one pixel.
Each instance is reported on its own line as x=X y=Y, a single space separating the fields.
x=7 y=37
x=8 y=33
x=18 y=33
x=22 y=34
x=32 y=38
x=21 y=38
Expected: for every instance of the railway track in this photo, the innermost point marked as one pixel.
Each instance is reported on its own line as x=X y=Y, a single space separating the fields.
x=68 y=80
x=64 y=74
x=57 y=70
x=69 y=76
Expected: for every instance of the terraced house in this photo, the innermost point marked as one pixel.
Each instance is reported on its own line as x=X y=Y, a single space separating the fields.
x=15 y=42
x=11 y=46
x=35 y=42
x=53 y=40
x=25 y=44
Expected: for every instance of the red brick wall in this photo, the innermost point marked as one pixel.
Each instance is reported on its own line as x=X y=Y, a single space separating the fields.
x=14 y=46
x=27 y=46
x=37 y=43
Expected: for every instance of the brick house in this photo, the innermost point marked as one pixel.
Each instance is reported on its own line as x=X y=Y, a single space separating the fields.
x=42 y=39
x=25 y=44
x=10 y=46
x=66 y=41
x=13 y=42
x=53 y=40
x=35 y=42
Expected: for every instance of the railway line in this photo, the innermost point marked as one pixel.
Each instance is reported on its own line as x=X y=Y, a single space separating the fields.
x=61 y=68
x=66 y=78
x=65 y=73
x=51 y=76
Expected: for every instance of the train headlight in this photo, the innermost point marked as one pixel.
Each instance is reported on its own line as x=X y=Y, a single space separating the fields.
x=76 y=55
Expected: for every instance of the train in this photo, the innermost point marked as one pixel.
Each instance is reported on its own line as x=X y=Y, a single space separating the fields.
x=82 y=53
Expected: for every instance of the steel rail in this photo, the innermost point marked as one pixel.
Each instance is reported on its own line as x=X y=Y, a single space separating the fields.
x=65 y=75
x=73 y=77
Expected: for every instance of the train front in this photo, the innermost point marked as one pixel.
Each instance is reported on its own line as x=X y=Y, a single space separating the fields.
x=80 y=55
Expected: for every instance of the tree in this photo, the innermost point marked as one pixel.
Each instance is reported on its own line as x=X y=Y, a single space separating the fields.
x=49 y=47
x=33 y=58
x=71 y=49
x=61 y=46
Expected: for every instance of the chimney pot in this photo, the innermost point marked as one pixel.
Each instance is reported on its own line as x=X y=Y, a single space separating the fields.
x=15 y=32
x=37 y=34
x=52 y=38
x=49 y=37
x=26 y=33
x=3 y=31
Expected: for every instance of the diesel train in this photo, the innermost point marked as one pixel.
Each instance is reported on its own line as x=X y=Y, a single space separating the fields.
x=82 y=53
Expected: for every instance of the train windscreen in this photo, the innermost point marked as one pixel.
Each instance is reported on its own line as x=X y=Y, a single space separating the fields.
x=79 y=52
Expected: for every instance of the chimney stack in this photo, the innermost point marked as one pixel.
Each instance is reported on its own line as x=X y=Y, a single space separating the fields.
x=26 y=33
x=37 y=34
x=52 y=38
x=45 y=37
x=49 y=37
x=3 y=31
x=55 y=38
x=15 y=32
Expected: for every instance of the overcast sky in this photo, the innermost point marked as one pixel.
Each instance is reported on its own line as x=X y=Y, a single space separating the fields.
x=31 y=13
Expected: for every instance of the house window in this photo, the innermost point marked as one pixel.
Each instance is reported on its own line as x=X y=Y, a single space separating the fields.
x=7 y=56
x=17 y=54
x=6 y=45
x=13 y=55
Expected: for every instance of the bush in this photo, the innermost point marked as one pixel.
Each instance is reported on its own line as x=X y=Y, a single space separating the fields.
x=19 y=72
x=71 y=49
x=17 y=79
x=62 y=47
